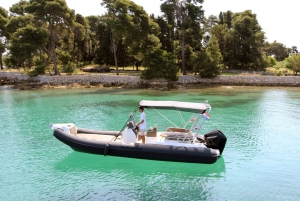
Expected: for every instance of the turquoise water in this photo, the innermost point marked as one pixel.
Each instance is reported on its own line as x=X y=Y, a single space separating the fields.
x=259 y=162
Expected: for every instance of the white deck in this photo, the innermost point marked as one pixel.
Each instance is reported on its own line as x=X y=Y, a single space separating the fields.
x=176 y=143
x=174 y=136
x=159 y=139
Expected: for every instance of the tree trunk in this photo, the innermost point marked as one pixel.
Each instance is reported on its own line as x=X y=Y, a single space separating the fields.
x=77 y=56
x=1 y=63
x=53 y=52
x=29 y=63
x=89 y=52
x=182 y=52
x=115 y=52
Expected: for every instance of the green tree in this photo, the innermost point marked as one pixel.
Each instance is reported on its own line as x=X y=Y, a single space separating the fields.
x=103 y=49
x=21 y=24
x=129 y=24
x=213 y=51
x=203 y=64
x=165 y=36
x=3 y=33
x=27 y=41
x=127 y=48
x=181 y=16
x=227 y=18
x=240 y=40
x=207 y=61
x=119 y=22
x=18 y=9
x=277 y=50
x=143 y=34
x=80 y=36
x=223 y=34
x=294 y=62
x=160 y=64
x=294 y=50
x=168 y=9
x=194 y=32
x=271 y=61
x=55 y=16
x=221 y=18
x=210 y=22
x=246 y=42
x=92 y=41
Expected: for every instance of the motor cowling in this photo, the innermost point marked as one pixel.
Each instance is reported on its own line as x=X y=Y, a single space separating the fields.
x=215 y=140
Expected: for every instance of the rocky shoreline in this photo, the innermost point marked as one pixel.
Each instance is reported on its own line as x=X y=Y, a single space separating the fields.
x=29 y=85
x=23 y=82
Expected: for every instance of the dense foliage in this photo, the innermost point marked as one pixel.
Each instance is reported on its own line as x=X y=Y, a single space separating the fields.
x=51 y=37
x=160 y=64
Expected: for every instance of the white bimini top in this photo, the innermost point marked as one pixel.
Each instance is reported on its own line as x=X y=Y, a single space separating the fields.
x=176 y=105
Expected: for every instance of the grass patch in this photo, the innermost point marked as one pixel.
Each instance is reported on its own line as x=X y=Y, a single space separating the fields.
x=275 y=70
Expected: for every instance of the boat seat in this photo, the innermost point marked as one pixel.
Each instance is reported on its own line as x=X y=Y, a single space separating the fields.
x=179 y=136
x=168 y=134
x=152 y=132
x=73 y=130
x=175 y=131
x=184 y=130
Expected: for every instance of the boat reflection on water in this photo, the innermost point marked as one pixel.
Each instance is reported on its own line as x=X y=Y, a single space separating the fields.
x=77 y=161
x=117 y=178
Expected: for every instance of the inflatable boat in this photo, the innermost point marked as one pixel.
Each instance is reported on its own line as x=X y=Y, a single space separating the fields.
x=179 y=143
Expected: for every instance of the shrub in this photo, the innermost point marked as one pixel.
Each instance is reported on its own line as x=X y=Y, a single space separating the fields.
x=160 y=64
x=64 y=57
x=271 y=61
x=279 y=73
x=38 y=70
x=69 y=68
x=282 y=64
x=204 y=65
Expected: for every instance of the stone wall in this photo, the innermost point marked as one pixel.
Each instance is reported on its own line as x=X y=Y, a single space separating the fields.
x=136 y=80
x=102 y=79
x=244 y=80
x=14 y=76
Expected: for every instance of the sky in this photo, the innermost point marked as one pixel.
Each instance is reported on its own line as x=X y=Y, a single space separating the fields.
x=279 y=19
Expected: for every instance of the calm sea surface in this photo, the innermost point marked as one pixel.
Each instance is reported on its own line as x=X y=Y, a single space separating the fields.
x=260 y=161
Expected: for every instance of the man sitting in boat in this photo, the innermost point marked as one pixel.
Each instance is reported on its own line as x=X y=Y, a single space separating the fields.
x=142 y=124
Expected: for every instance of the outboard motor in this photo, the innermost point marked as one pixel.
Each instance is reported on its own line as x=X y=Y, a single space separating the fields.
x=215 y=140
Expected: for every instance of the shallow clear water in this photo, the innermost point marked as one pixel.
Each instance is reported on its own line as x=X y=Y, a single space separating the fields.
x=259 y=162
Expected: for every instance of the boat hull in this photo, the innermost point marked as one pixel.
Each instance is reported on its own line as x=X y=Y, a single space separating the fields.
x=138 y=150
